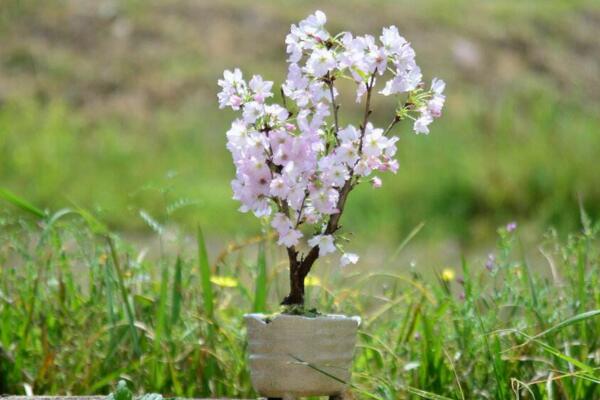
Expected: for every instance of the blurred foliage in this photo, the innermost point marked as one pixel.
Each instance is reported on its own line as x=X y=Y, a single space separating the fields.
x=111 y=105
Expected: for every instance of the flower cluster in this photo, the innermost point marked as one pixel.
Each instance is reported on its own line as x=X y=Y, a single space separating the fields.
x=294 y=163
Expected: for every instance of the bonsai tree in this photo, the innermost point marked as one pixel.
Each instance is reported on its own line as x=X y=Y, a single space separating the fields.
x=296 y=164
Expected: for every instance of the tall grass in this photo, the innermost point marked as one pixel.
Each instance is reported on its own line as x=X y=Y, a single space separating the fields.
x=81 y=308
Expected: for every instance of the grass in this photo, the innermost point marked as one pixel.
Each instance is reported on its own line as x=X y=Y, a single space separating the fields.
x=80 y=308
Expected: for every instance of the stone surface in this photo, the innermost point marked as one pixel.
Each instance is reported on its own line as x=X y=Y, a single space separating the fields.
x=294 y=356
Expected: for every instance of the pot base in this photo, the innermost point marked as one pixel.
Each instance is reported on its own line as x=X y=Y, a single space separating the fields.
x=334 y=397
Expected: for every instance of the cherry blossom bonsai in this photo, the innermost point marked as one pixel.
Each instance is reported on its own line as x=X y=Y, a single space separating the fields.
x=296 y=165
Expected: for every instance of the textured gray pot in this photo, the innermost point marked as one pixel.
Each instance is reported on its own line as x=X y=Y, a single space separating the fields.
x=291 y=356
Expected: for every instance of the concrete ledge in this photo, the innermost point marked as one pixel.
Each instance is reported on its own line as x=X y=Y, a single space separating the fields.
x=9 y=397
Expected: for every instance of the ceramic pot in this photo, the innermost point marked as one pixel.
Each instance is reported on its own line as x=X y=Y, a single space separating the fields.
x=295 y=356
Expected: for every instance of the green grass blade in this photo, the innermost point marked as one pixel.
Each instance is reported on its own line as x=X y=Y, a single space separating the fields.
x=570 y=321
x=95 y=225
x=494 y=355
x=125 y=297
x=163 y=325
x=177 y=293
x=21 y=203
x=564 y=357
x=260 y=291
x=205 y=274
x=590 y=371
x=424 y=394
x=529 y=281
x=410 y=237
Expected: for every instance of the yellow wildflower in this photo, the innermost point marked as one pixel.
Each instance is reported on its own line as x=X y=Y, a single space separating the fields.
x=448 y=274
x=312 y=281
x=224 y=281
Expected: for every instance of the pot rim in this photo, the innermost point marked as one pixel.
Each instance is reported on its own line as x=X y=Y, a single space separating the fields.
x=261 y=317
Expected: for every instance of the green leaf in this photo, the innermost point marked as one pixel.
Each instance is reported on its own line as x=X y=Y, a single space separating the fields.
x=21 y=203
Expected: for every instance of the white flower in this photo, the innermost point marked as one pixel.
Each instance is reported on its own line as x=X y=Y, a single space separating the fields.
x=348 y=258
x=233 y=89
x=391 y=40
x=422 y=123
x=231 y=79
x=436 y=103
x=281 y=222
x=294 y=44
x=279 y=188
x=325 y=243
x=337 y=174
x=288 y=237
x=361 y=89
x=347 y=153
x=313 y=26
x=348 y=134
x=374 y=141
x=438 y=86
x=362 y=167
x=252 y=111
x=405 y=59
x=320 y=62
x=404 y=81
x=261 y=88
x=377 y=60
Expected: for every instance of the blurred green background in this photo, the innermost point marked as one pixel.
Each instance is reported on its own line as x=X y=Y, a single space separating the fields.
x=111 y=105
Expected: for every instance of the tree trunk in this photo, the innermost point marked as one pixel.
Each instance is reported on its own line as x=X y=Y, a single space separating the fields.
x=299 y=269
x=296 y=296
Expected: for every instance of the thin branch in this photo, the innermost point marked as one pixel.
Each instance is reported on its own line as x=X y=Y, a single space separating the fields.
x=363 y=127
x=300 y=210
x=391 y=125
